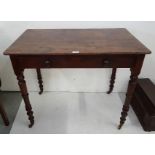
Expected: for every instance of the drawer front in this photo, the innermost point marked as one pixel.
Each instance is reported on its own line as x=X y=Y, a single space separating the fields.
x=78 y=61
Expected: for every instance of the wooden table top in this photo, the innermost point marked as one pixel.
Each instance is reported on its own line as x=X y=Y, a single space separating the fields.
x=76 y=41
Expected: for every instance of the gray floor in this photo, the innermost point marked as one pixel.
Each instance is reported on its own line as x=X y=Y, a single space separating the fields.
x=11 y=102
x=76 y=113
x=66 y=112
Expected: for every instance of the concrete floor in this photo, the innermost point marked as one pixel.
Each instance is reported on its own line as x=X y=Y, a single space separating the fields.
x=66 y=112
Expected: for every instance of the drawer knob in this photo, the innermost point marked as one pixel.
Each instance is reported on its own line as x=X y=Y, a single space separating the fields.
x=47 y=62
x=106 y=62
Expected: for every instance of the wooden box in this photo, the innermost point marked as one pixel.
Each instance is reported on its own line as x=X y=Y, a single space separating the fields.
x=143 y=103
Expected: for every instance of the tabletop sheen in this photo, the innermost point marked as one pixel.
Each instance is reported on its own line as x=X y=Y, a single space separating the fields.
x=76 y=41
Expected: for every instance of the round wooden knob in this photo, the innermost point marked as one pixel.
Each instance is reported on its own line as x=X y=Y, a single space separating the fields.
x=106 y=62
x=47 y=62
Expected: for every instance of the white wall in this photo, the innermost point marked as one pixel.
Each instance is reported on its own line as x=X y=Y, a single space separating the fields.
x=85 y=80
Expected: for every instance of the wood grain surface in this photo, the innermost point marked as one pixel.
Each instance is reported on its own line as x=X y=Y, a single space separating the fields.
x=76 y=41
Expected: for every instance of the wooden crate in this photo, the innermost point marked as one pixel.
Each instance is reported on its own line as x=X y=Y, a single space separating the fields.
x=143 y=103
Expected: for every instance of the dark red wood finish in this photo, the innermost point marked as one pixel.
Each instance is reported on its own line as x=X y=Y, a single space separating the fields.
x=99 y=48
x=40 y=81
x=143 y=103
x=112 y=80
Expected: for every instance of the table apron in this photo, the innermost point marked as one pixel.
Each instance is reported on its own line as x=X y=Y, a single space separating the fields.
x=74 y=61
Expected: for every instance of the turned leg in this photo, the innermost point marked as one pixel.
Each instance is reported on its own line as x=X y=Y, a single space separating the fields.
x=40 y=81
x=125 y=109
x=24 y=93
x=135 y=71
x=4 y=116
x=112 y=80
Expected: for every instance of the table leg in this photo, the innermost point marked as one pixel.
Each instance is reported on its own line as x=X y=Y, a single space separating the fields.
x=4 y=115
x=40 y=81
x=24 y=93
x=125 y=109
x=112 y=80
x=135 y=71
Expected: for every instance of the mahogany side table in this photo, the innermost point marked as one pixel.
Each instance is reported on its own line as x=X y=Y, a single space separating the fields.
x=77 y=48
